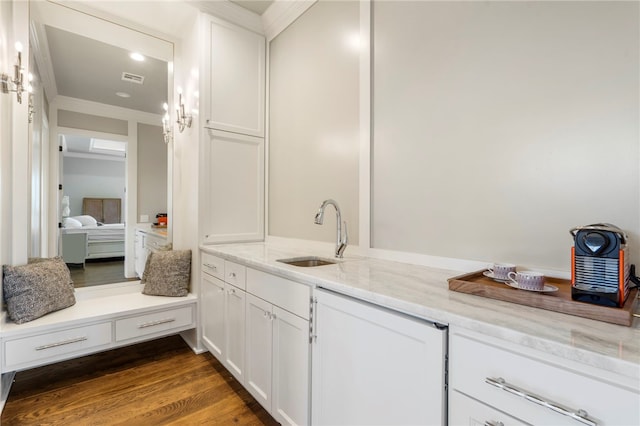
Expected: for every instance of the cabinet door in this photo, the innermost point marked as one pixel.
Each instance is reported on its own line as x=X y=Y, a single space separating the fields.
x=235 y=188
x=212 y=314
x=236 y=93
x=290 y=368
x=234 y=331
x=258 y=350
x=375 y=366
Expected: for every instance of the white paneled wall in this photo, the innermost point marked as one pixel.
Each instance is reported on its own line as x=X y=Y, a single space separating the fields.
x=498 y=126
x=313 y=122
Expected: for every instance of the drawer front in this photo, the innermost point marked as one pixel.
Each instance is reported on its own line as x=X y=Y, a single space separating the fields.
x=54 y=346
x=466 y=411
x=213 y=265
x=157 y=322
x=536 y=391
x=235 y=274
x=154 y=243
x=289 y=295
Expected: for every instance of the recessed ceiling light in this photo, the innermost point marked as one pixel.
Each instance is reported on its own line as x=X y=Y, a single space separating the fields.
x=136 y=56
x=123 y=94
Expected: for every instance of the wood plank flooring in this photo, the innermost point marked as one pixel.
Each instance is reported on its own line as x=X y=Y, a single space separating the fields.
x=99 y=272
x=153 y=383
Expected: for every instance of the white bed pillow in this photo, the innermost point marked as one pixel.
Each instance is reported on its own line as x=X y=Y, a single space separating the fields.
x=86 y=220
x=69 y=222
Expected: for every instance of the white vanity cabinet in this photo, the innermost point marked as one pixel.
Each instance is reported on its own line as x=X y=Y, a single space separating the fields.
x=223 y=312
x=145 y=242
x=495 y=382
x=277 y=346
x=375 y=366
x=234 y=75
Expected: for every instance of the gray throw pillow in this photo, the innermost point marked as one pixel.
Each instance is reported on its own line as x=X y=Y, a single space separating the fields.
x=167 y=273
x=36 y=289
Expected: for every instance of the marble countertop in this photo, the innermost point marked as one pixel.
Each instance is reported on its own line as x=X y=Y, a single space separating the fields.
x=147 y=228
x=424 y=292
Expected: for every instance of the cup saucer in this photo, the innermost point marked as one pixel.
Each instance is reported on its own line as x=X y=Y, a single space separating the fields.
x=489 y=274
x=546 y=289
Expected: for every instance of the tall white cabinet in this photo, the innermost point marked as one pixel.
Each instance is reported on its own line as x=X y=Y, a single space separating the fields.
x=233 y=118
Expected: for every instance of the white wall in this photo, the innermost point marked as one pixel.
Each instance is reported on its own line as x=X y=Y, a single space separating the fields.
x=152 y=171
x=87 y=177
x=498 y=126
x=313 y=122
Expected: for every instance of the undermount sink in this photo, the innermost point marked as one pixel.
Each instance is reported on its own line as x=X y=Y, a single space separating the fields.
x=307 y=261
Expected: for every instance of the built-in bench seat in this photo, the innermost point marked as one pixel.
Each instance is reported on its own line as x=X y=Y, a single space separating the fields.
x=104 y=317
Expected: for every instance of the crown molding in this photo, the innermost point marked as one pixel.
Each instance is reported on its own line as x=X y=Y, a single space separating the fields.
x=104 y=110
x=281 y=14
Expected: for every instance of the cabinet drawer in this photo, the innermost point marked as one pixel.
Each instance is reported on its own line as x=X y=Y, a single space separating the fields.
x=466 y=411
x=234 y=274
x=289 y=295
x=154 y=243
x=157 y=322
x=522 y=384
x=213 y=265
x=55 y=346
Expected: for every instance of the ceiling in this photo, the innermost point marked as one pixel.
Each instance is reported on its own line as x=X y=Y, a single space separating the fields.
x=256 y=6
x=88 y=69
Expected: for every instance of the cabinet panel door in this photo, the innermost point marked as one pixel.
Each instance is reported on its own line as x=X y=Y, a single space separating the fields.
x=235 y=188
x=212 y=313
x=234 y=331
x=236 y=95
x=290 y=368
x=258 y=357
x=374 y=366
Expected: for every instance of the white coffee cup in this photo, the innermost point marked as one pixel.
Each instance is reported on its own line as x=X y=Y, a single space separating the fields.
x=527 y=280
x=501 y=271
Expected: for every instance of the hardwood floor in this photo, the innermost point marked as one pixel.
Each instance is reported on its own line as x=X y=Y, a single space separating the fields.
x=153 y=383
x=99 y=272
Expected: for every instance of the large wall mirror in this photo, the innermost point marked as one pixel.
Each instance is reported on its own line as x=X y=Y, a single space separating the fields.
x=97 y=131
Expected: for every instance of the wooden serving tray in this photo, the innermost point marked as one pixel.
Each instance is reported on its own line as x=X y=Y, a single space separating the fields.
x=558 y=301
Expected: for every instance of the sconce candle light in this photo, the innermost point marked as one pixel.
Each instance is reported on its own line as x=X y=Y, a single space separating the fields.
x=166 y=120
x=18 y=77
x=184 y=120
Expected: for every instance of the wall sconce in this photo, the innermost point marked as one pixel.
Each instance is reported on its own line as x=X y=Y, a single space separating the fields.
x=32 y=108
x=166 y=121
x=18 y=77
x=184 y=120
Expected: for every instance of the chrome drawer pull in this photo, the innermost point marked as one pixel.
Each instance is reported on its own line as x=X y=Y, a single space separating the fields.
x=493 y=423
x=580 y=415
x=158 y=322
x=64 y=342
x=208 y=265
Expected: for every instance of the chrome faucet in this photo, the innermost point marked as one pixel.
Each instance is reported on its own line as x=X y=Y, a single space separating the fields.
x=341 y=239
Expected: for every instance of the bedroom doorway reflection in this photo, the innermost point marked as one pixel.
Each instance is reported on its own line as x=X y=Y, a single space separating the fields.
x=93 y=171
